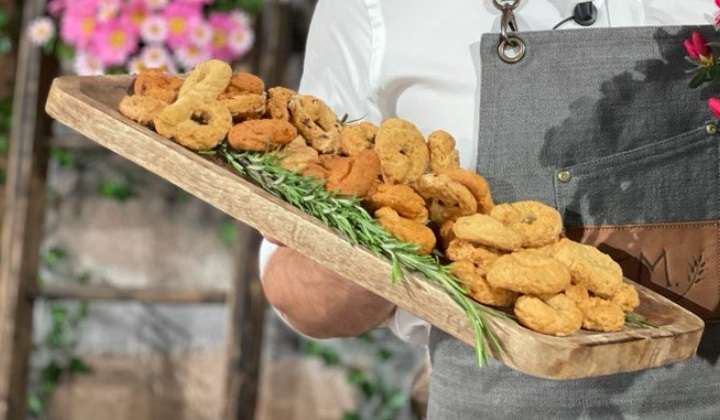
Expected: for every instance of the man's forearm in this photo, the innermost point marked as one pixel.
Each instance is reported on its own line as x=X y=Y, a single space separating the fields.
x=318 y=302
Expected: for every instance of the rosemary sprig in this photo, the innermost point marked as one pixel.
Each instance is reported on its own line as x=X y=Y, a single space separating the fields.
x=638 y=321
x=347 y=216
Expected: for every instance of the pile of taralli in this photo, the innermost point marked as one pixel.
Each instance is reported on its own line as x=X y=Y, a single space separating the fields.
x=506 y=255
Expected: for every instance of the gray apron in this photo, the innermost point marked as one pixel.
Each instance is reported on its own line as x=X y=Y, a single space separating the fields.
x=601 y=124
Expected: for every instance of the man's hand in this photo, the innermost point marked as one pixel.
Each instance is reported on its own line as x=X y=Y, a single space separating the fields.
x=318 y=302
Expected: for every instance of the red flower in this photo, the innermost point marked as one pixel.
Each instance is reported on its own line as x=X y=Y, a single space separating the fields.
x=717 y=2
x=697 y=47
x=714 y=105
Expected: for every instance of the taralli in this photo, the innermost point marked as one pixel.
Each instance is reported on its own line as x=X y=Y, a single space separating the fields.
x=352 y=175
x=402 y=150
x=297 y=155
x=477 y=185
x=195 y=124
x=357 y=137
x=446 y=233
x=277 y=103
x=529 y=272
x=460 y=250
x=448 y=199
x=590 y=267
x=400 y=198
x=141 y=109
x=407 y=230
x=243 y=84
x=557 y=315
x=261 y=135
x=602 y=315
x=245 y=106
x=207 y=80
x=502 y=255
x=316 y=122
x=443 y=155
x=626 y=297
x=157 y=84
x=473 y=277
x=539 y=224
x=485 y=230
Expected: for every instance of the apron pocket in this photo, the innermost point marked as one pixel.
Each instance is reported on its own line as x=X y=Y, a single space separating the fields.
x=672 y=180
x=655 y=210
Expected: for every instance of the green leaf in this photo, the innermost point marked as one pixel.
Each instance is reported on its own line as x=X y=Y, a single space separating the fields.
x=51 y=373
x=59 y=313
x=54 y=256
x=351 y=415
x=3 y=19
x=36 y=405
x=77 y=365
x=228 y=233
x=384 y=355
x=65 y=158
x=4 y=143
x=5 y=44
x=699 y=78
x=115 y=190
x=64 y=51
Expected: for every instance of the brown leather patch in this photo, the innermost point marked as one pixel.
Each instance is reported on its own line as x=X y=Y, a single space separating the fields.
x=679 y=260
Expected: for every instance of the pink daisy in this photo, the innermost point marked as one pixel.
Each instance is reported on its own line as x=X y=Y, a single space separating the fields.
x=54 y=7
x=154 y=56
x=134 y=65
x=154 y=29
x=41 y=30
x=78 y=23
x=87 y=65
x=156 y=4
x=113 y=42
x=134 y=13
x=242 y=18
x=107 y=9
x=181 y=18
x=201 y=34
x=223 y=25
x=191 y=55
x=241 y=40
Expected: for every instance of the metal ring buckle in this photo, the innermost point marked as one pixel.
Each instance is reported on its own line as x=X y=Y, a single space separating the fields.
x=512 y=49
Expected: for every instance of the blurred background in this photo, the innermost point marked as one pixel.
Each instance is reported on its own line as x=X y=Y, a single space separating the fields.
x=145 y=301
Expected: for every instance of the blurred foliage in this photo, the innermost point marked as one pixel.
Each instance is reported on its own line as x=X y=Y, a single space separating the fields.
x=58 y=346
x=252 y=7
x=228 y=232
x=378 y=400
x=118 y=190
x=63 y=157
x=5 y=41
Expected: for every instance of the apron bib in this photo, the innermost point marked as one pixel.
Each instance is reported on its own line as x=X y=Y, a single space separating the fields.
x=601 y=124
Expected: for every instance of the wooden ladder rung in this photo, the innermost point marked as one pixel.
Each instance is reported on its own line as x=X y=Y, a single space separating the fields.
x=110 y=293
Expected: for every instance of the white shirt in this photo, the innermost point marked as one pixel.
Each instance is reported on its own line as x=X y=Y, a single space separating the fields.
x=376 y=59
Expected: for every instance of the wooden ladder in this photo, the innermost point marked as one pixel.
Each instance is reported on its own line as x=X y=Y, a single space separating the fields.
x=22 y=236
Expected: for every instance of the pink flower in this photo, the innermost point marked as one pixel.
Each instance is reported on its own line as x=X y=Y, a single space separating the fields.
x=107 y=9
x=716 y=20
x=134 y=65
x=714 y=105
x=154 y=56
x=156 y=4
x=41 y=30
x=201 y=34
x=243 y=19
x=154 y=29
x=717 y=2
x=181 y=18
x=87 y=65
x=54 y=7
x=696 y=47
x=240 y=41
x=191 y=55
x=223 y=25
x=134 y=13
x=113 y=42
x=78 y=23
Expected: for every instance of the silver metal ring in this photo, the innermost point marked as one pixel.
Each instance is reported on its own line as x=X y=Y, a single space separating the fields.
x=502 y=4
x=512 y=49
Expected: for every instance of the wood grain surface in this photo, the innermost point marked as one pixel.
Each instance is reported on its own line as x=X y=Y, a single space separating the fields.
x=88 y=105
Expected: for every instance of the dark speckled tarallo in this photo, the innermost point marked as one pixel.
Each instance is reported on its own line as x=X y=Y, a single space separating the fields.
x=601 y=124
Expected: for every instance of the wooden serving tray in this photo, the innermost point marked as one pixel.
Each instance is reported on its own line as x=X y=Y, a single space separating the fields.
x=89 y=105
